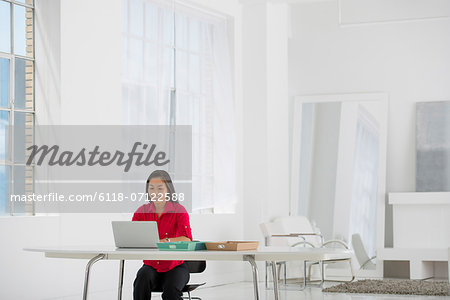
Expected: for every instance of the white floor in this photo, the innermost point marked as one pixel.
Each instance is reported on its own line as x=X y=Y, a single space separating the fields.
x=244 y=291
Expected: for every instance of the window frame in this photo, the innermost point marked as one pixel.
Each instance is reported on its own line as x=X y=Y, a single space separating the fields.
x=9 y=161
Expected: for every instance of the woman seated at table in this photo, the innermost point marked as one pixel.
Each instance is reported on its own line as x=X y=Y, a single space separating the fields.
x=173 y=225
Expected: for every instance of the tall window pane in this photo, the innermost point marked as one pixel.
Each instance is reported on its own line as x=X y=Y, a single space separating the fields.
x=4 y=82
x=23 y=31
x=137 y=17
x=19 y=84
x=151 y=22
x=23 y=84
x=167 y=20
x=135 y=66
x=23 y=135
x=19 y=30
x=23 y=185
x=5 y=27
x=181 y=34
x=124 y=16
x=4 y=135
x=4 y=188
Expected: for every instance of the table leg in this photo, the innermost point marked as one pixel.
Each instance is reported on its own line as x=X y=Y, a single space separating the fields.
x=86 y=275
x=275 y=279
x=266 y=277
x=322 y=271
x=304 y=276
x=121 y=268
x=251 y=260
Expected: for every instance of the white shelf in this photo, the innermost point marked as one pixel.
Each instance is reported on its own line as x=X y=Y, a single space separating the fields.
x=421 y=229
x=424 y=254
x=421 y=220
x=418 y=198
x=421 y=260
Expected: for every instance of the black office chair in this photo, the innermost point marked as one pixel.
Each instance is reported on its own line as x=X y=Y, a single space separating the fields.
x=194 y=266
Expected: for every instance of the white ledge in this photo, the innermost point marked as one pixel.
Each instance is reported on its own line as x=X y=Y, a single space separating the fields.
x=424 y=254
x=418 y=198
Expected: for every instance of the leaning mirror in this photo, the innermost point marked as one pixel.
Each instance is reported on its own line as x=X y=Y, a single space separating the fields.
x=338 y=171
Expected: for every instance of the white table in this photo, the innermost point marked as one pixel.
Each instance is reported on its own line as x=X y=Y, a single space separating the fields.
x=272 y=254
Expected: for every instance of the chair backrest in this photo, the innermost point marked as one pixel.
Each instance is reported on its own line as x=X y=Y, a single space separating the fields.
x=360 y=251
x=297 y=224
x=196 y=266
x=268 y=229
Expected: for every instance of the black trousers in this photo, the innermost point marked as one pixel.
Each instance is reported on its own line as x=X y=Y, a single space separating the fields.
x=171 y=283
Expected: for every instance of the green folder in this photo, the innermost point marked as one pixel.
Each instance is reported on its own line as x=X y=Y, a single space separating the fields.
x=182 y=246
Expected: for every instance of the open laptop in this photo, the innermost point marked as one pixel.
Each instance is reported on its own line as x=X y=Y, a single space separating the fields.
x=135 y=234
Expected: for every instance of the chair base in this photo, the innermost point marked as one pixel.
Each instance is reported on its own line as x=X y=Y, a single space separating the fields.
x=188 y=289
x=307 y=279
x=189 y=297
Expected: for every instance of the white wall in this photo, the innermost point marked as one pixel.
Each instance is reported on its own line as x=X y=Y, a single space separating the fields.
x=407 y=59
x=91 y=52
x=48 y=62
x=78 y=65
x=266 y=111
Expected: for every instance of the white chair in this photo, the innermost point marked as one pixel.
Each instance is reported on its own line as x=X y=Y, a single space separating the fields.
x=335 y=264
x=364 y=261
x=268 y=230
x=299 y=224
x=306 y=236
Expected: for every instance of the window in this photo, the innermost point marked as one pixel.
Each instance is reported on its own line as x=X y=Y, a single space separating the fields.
x=177 y=71
x=16 y=102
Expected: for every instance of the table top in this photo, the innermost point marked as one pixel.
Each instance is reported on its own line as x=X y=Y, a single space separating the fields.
x=262 y=254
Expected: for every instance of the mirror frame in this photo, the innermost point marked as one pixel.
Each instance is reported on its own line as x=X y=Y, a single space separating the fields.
x=381 y=98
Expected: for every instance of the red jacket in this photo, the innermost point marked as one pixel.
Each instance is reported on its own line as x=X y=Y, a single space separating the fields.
x=173 y=222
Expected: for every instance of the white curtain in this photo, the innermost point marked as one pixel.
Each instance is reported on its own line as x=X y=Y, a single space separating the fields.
x=146 y=62
x=204 y=89
x=224 y=126
x=363 y=213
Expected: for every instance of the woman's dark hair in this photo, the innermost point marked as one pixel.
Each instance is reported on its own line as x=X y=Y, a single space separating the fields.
x=165 y=177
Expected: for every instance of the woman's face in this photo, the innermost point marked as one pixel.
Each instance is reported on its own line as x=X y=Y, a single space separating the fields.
x=157 y=190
